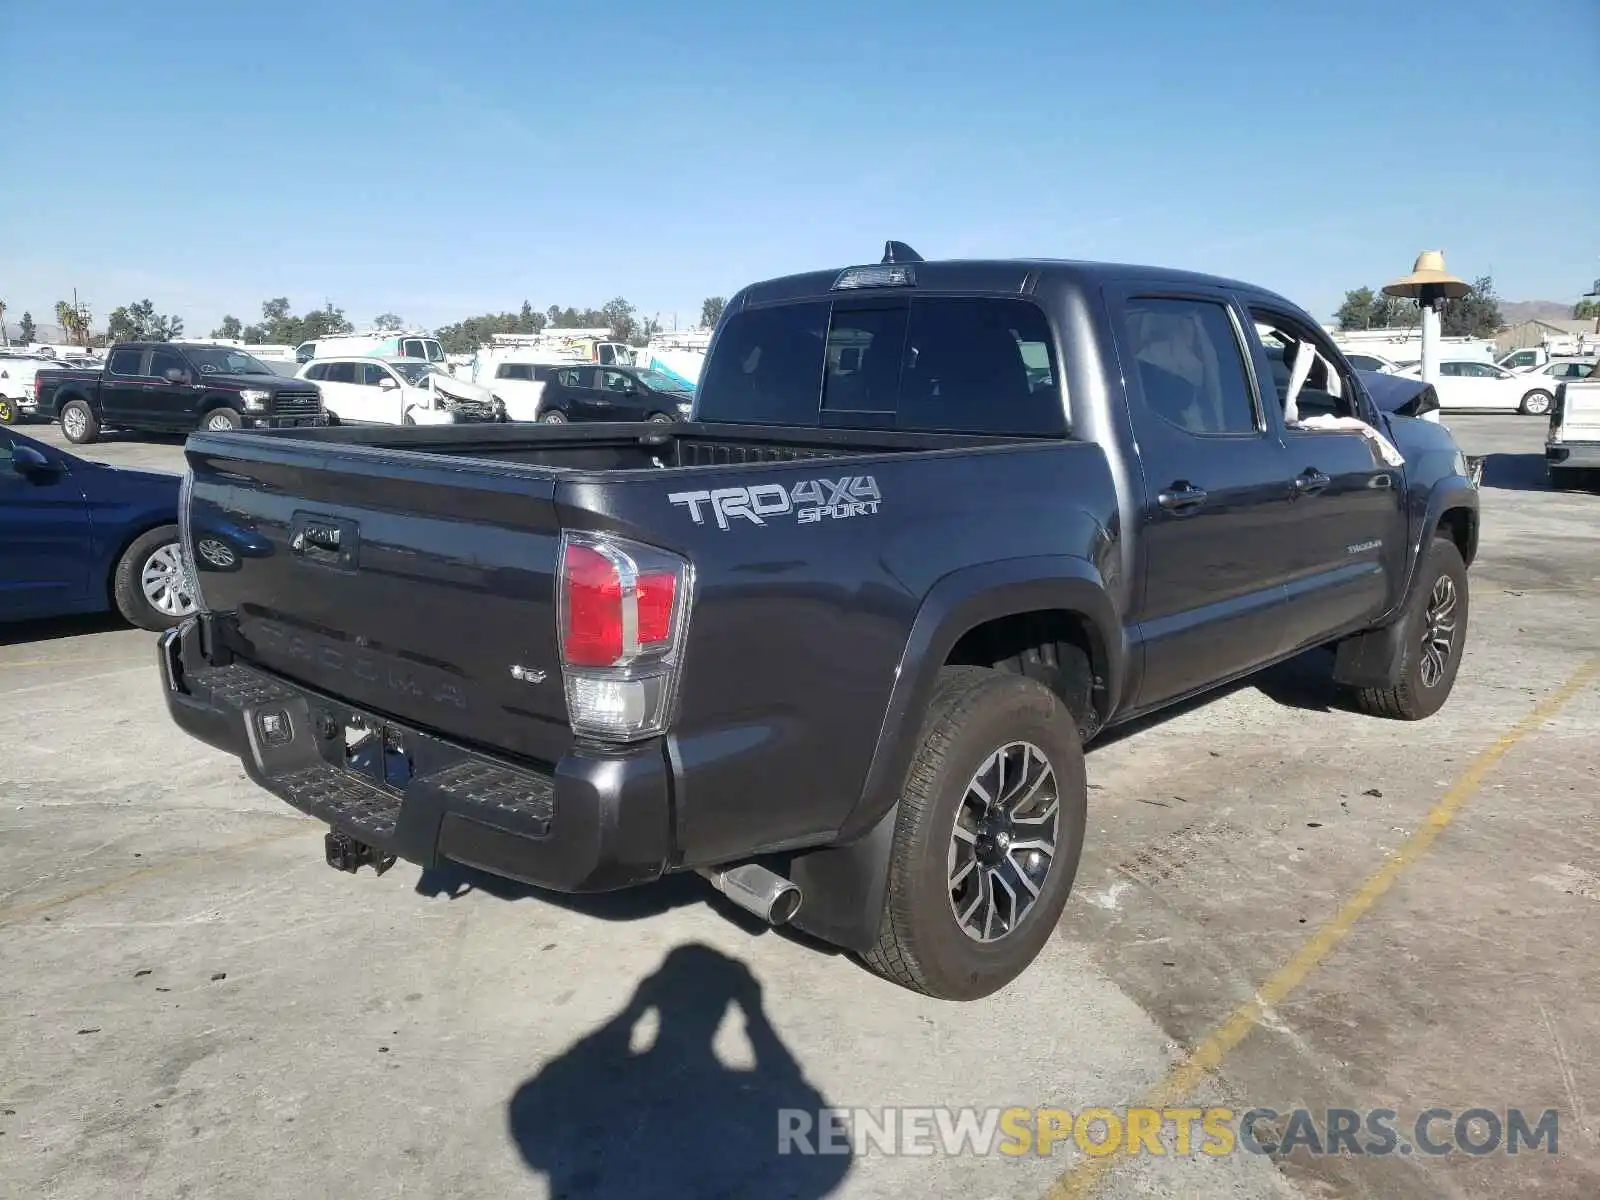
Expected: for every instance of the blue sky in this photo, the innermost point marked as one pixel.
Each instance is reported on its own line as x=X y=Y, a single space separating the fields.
x=442 y=162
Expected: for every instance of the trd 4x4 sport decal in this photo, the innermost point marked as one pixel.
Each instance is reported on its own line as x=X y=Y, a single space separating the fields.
x=809 y=501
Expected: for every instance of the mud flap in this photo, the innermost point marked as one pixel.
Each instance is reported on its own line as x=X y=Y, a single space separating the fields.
x=1374 y=659
x=844 y=887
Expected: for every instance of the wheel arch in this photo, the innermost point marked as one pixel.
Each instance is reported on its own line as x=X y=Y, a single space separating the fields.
x=966 y=616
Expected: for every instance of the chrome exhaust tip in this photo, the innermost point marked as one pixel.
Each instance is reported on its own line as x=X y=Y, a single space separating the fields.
x=756 y=890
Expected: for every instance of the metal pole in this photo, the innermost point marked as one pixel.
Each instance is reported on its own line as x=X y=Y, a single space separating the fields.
x=1430 y=343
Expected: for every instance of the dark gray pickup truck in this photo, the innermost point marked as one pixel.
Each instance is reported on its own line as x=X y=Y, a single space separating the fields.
x=837 y=641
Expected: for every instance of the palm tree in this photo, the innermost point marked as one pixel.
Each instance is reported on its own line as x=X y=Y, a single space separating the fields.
x=5 y=337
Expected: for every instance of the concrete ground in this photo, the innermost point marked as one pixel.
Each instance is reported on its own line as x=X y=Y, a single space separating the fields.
x=196 y=1006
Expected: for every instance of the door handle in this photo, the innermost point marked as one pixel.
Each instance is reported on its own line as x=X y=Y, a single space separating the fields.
x=1310 y=481
x=1181 y=498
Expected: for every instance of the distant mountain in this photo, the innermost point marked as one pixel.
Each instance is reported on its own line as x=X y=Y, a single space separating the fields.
x=1534 y=310
x=42 y=332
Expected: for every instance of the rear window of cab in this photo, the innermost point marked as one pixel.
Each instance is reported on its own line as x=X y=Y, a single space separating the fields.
x=974 y=364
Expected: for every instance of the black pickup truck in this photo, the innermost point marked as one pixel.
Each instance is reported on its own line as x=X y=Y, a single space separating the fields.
x=174 y=387
x=837 y=641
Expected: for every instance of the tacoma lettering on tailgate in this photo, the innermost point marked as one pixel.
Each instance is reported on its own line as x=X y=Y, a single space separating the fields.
x=809 y=501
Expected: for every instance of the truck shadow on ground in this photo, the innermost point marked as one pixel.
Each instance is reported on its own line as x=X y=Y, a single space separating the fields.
x=1516 y=472
x=608 y=1118
x=48 y=629
x=678 y=890
x=1304 y=682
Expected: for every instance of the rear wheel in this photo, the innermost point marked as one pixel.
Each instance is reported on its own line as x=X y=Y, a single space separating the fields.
x=1438 y=628
x=554 y=418
x=8 y=411
x=1537 y=404
x=987 y=838
x=79 y=425
x=151 y=587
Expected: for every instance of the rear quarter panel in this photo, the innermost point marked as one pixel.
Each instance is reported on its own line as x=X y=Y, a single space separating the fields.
x=799 y=626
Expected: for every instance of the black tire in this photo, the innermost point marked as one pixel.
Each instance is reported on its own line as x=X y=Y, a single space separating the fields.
x=88 y=430
x=1537 y=403
x=1414 y=697
x=659 y=419
x=333 y=418
x=9 y=413
x=127 y=586
x=975 y=712
x=221 y=420
x=554 y=417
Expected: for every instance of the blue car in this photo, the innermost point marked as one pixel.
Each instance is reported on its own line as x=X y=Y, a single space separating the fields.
x=81 y=537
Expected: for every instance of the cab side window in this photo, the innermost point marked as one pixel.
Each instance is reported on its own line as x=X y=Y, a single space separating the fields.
x=1329 y=388
x=162 y=361
x=124 y=362
x=1190 y=364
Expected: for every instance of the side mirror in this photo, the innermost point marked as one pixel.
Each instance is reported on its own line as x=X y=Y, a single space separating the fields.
x=175 y=375
x=25 y=460
x=387 y=383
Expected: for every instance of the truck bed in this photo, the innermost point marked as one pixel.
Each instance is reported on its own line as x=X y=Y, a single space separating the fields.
x=624 y=447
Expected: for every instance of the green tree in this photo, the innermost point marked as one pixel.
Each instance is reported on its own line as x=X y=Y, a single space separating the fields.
x=388 y=322
x=74 y=321
x=711 y=311
x=529 y=321
x=619 y=316
x=230 y=328
x=26 y=330
x=280 y=327
x=1477 y=314
x=1583 y=310
x=139 y=322
x=1354 y=313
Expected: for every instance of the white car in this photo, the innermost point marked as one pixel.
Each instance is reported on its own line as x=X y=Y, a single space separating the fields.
x=1473 y=384
x=17 y=370
x=520 y=386
x=396 y=391
x=1362 y=361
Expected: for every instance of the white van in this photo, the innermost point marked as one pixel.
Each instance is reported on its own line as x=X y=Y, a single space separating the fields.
x=380 y=343
x=361 y=390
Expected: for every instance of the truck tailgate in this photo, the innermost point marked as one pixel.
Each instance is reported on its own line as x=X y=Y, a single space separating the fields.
x=412 y=597
x=1580 y=411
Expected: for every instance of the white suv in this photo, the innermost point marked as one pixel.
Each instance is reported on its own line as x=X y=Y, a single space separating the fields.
x=397 y=391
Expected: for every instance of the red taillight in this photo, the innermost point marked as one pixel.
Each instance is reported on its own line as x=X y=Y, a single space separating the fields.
x=603 y=624
x=656 y=592
x=593 y=608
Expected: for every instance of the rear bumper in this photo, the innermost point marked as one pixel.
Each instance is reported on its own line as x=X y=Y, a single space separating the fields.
x=590 y=823
x=1577 y=455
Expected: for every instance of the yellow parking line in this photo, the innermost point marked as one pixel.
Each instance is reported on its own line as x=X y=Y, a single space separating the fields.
x=1081 y=1180
x=21 y=912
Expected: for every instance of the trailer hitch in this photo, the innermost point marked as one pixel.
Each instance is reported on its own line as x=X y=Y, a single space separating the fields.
x=344 y=853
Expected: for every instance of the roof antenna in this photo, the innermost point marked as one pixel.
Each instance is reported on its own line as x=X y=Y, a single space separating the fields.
x=899 y=252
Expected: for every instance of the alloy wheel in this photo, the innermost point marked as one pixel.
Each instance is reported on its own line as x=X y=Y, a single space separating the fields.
x=1439 y=636
x=165 y=583
x=1004 y=841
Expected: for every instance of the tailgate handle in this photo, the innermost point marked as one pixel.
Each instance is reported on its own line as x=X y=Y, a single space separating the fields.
x=328 y=541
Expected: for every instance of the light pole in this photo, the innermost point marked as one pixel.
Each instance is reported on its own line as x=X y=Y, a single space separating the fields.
x=1430 y=285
